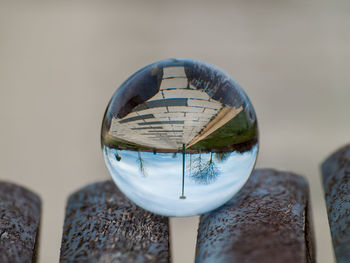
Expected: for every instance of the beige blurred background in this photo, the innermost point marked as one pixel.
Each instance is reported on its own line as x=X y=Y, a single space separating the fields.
x=60 y=62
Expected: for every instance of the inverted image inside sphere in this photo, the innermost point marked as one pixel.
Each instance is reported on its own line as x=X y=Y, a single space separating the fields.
x=180 y=137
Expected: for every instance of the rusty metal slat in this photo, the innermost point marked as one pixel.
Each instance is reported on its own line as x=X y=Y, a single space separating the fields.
x=101 y=225
x=267 y=221
x=19 y=223
x=336 y=184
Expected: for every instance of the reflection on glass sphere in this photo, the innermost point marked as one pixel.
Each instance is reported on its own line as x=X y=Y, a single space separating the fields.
x=179 y=137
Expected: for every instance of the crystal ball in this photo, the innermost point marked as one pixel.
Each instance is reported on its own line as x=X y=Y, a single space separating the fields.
x=180 y=137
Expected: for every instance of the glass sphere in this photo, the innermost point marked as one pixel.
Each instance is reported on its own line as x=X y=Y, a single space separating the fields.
x=179 y=137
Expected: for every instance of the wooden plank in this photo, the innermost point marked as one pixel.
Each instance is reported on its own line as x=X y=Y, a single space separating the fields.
x=336 y=184
x=101 y=225
x=267 y=221
x=19 y=223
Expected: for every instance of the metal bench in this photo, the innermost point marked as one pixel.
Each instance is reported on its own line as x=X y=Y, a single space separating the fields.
x=269 y=220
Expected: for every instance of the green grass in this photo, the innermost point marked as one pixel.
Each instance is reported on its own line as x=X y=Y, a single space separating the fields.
x=238 y=130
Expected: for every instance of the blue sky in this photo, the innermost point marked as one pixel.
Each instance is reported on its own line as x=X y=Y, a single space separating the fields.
x=159 y=190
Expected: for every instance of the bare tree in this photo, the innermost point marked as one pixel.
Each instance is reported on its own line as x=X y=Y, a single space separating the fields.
x=221 y=157
x=205 y=172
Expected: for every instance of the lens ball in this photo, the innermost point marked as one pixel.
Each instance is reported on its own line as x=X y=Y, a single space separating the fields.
x=180 y=137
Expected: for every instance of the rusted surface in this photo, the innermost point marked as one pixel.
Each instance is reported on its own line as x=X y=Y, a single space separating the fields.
x=19 y=223
x=267 y=221
x=336 y=184
x=101 y=225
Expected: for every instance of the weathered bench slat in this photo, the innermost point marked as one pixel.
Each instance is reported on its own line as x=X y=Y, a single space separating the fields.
x=267 y=221
x=336 y=184
x=19 y=223
x=101 y=225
